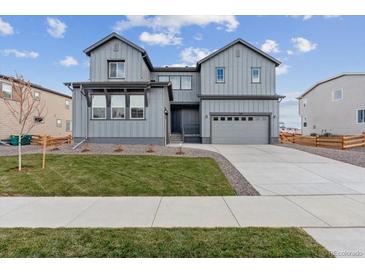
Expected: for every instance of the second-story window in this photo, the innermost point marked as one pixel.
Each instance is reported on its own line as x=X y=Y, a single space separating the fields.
x=116 y=69
x=67 y=104
x=255 y=75
x=36 y=95
x=337 y=95
x=175 y=81
x=219 y=75
x=6 y=90
x=98 y=107
x=118 y=106
x=185 y=82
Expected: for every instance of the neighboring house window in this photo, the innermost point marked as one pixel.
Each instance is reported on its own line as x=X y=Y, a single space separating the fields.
x=305 y=122
x=37 y=95
x=175 y=81
x=116 y=69
x=337 y=95
x=255 y=75
x=98 y=107
x=67 y=104
x=6 y=90
x=136 y=106
x=361 y=116
x=186 y=82
x=118 y=106
x=58 y=123
x=163 y=78
x=305 y=103
x=68 y=126
x=219 y=75
x=38 y=119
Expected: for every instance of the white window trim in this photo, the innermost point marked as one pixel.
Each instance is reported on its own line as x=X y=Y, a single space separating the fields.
x=11 y=90
x=259 y=75
x=109 y=70
x=216 y=75
x=92 y=109
x=70 y=128
x=57 y=123
x=356 y=113
x=37 y=97
x=333 y=95
x=111 y=108
x=191 y=82
x=130 y=109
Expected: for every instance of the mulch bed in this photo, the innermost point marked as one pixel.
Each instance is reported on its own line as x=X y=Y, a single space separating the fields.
x=355 y=156
x=235 y=178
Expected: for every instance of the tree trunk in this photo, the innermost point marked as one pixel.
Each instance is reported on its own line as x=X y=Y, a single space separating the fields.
x=20 y=152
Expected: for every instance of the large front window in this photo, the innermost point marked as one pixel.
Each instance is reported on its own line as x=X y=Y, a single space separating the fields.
x=6 y=90
x=219 y=75
x=136 y=106
x=175 y=81
x=116 y=69
x=179 y=82
x=185 y=82
x=98 y=107
x=118 y=106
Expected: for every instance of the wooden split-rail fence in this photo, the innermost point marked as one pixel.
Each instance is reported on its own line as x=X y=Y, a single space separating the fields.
x=337 y=142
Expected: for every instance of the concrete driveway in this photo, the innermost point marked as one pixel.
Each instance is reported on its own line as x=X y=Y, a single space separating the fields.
x=275 y=170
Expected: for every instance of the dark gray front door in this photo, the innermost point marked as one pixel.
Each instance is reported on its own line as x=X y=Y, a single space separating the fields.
x=176 y=121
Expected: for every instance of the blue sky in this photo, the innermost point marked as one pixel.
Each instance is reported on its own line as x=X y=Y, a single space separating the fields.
x=48 y=49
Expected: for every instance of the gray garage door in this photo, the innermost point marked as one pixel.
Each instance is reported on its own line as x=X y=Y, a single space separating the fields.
x=240 y=129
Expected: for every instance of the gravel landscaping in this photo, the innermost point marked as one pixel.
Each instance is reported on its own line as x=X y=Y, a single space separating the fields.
x=355 y=156
x=235 y=178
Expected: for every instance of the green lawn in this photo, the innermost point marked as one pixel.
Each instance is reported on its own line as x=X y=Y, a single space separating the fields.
x=106 y=175
x=155 y=242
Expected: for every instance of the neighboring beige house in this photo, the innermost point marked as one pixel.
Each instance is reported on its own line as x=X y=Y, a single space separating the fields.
x=335 y=105
x=58 y=111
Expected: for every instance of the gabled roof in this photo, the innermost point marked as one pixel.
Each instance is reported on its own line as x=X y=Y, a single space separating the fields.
x=36 y=86
x=330 y=79
x=243 y=42
x=115 y=35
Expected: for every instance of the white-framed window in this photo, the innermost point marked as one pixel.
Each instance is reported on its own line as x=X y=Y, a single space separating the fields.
x=186 y=82
x=6 y=90
x=98 y=107
x=116 y=69
x=118 y=106
x=175 y=81
x=58 y=123
x=67 y=104
x=163 y=78
x=136 y=105
x=305 y=124
x=337 y=95
x=37 y=95
x=219 y=75
x=256 y=75
x=305 y=102
x=360 y=116
x=68 y=125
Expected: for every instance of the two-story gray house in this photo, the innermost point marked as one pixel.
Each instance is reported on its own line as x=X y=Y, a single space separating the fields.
x=335 y=105
x=227 y=98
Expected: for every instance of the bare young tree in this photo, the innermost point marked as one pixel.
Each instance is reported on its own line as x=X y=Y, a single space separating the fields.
x=23 y=107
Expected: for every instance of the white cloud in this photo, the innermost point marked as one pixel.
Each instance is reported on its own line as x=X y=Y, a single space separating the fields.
x=173 y=23
x=21 y=53
x=331 y=16
x=307 y=17
x=282 y=69
x=191 y=55
x=303 y=45
x=56 y=28
x=5 y=28
x=161 y=39
x=270 y=46
x=289 y=52
x=289 y=109
x=180 y=65
x=69 y=61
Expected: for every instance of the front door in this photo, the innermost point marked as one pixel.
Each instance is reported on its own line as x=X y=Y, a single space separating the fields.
x=176 y=121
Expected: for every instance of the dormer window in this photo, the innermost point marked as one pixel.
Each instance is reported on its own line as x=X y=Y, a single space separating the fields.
x=116 y=69
x=255 y=75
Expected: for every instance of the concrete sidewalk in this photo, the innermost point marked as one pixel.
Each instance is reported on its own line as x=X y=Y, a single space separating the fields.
x=228 y=211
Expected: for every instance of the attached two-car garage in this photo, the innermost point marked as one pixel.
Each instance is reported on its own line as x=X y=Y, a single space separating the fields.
x=240 y=129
